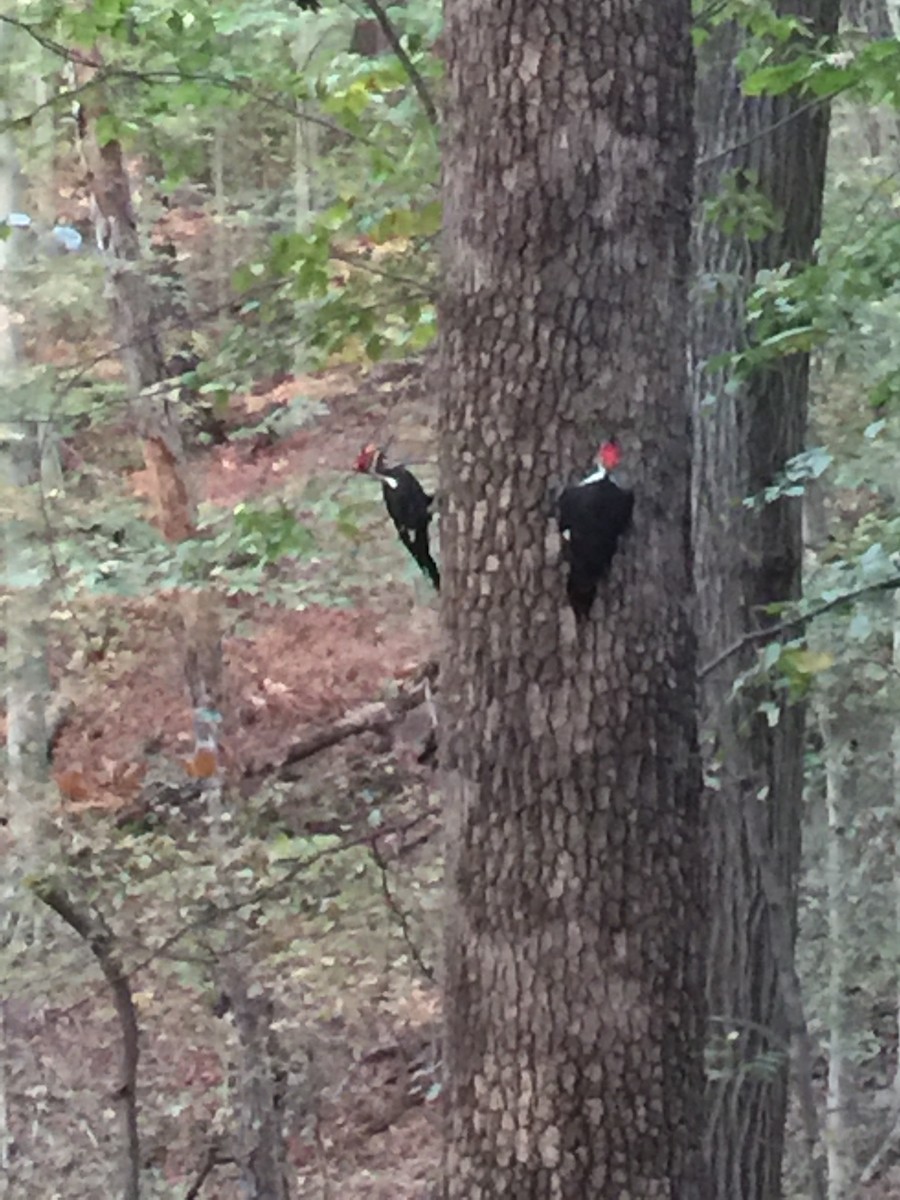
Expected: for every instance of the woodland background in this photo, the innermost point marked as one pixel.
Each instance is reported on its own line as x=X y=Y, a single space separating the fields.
x=283 y=169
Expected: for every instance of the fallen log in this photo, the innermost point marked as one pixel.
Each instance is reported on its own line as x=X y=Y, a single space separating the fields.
x=373 y=717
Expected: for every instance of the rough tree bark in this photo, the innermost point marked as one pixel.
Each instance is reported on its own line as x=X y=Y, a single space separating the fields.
x=573 y=972
x=873 y=16
x=879 y=124
x=840 y=805
x=744 y=560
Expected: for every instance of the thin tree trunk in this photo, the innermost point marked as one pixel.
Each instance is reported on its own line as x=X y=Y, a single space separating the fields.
x=27 y=806
x=895 y=756
x=746 y=559
x=839 y=810
x=872 y=16
x=879 y=123
x=133 y=313
x=257 y=1075
x=306 y=142
x=220 y=201
x=886 y=1150
x=573 y=983
x=306 y=135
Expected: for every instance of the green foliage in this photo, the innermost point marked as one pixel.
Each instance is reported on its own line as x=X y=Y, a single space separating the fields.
x=871 y=74
x=173 y=74
x=740 y=208
x=809 y=464
x=759 y=18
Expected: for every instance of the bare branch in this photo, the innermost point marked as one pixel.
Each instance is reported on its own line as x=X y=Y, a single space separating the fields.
x=91 y=927
x=213 y=1159
x=398 y=911
x=409 y=66
x=818 y=102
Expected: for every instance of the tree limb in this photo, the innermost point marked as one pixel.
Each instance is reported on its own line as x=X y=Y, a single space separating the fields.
x=796 y=622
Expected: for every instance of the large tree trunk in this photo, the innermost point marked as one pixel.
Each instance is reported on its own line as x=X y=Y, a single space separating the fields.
x=573 y=972
x=746 y=559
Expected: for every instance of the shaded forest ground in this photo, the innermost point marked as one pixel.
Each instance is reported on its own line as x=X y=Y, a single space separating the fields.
x=343 y=957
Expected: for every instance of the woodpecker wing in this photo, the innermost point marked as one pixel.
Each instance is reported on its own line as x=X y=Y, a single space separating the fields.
x=409 y=506
x=592 y=518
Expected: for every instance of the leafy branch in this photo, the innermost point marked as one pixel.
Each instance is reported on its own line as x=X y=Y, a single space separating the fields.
x=796 y=622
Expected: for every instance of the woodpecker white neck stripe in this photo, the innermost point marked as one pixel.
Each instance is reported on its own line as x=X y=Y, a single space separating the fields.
x=387 y=480
x=595 y=476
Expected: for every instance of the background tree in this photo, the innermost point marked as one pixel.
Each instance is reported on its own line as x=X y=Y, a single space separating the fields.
x=574 y=1008
x=759 y=202
x=27 y=806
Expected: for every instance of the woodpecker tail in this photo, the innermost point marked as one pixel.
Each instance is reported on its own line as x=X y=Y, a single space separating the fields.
x=417 y=545
x=582 y=593
x=582 y=585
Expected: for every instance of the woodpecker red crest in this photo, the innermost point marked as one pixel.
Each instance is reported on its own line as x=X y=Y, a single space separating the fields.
x=609 y=455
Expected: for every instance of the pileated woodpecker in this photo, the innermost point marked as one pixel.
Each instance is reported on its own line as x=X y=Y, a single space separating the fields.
x=593 y=515
x=408 y=505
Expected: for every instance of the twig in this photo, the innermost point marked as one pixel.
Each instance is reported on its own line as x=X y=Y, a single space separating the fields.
x=398 y=911
x=772 y=631
x=769 y=129
x=391 y=276
x=321 y=1157
x=272 y=891
x=876 y=1163
x=409 y=66
x=766 y=1031
x=91 y=927
x=213 y=1159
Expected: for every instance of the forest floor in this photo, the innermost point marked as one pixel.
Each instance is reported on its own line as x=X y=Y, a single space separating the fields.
x=348 y=958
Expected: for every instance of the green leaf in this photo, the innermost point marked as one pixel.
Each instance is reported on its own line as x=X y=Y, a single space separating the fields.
x=771 y=654
x=808 y=662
